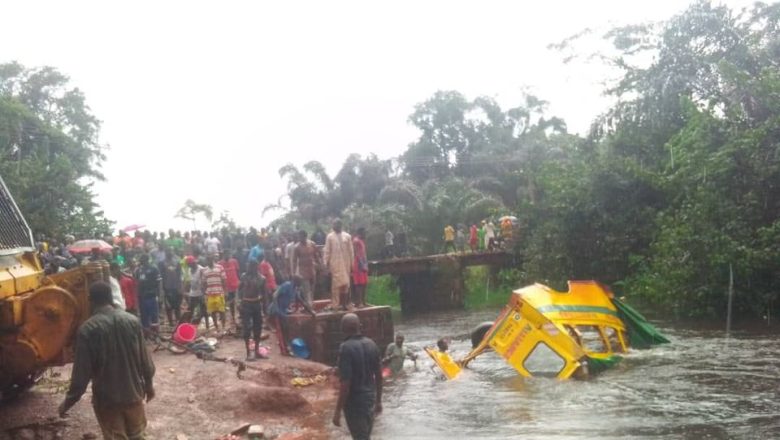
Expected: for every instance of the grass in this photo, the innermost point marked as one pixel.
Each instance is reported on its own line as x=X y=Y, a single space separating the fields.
x=383 y=291
x=478 y=295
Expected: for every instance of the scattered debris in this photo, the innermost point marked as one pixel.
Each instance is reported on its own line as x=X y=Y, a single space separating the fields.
x=306 y=381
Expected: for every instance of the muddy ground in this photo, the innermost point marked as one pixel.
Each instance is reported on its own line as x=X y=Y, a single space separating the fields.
x=194 y=400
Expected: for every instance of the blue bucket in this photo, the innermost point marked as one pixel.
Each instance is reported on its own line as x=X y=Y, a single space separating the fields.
x=300 y=349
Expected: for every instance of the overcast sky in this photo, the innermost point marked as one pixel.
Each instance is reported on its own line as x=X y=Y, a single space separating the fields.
x=208 y=100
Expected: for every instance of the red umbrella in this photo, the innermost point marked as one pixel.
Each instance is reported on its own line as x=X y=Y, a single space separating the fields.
x=133 y=228
x=86 y=246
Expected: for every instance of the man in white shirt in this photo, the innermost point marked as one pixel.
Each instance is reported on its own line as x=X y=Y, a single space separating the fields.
x=289 y=250
x=338 y=257
x=388 y=251
x=212 y=244
x=490 y=235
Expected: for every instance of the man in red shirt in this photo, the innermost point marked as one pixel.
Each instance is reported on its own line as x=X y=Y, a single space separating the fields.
x=232 y=272
x=473 y=238
x=267 y=271
x=128 y=287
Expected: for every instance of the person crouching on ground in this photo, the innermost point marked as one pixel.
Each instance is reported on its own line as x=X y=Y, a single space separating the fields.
x=360 y=374
x=283 y=298
x=251 y=291
x=110 y=352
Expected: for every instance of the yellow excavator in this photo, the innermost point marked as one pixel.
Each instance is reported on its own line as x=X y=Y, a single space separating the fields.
x=39 y=313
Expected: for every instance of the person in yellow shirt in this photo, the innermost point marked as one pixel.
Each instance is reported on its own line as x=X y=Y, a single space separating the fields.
x=449 y=238
x=505 y=238
x=506 y=229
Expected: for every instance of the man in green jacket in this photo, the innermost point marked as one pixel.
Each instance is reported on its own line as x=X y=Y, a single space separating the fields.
x=110 y=352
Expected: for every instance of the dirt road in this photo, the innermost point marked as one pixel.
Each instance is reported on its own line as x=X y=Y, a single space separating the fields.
x=195 y=400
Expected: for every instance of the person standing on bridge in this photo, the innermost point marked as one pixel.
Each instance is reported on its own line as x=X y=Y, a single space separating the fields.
x=449 y=238
x=473 y=238
x=490 y=235
x=338 y=256
x=460 y=239
x=481 y=233
x=388 y=251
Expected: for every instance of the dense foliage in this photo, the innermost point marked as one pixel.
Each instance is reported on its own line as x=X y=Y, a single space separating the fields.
x=676 y=183
x=49 y=151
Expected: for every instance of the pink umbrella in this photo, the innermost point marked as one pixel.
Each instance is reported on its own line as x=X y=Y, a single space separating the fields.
x=86 y=246
x=133 y=228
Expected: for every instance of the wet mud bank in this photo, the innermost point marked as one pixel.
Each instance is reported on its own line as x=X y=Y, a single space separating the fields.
x=195 y=399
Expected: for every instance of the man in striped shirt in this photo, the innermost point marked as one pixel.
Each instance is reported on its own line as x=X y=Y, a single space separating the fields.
x=214 y=280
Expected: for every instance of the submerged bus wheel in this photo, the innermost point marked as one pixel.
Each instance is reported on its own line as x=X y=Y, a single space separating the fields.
x=479 y=333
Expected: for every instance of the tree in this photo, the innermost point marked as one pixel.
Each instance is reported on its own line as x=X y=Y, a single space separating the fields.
x=427 y=209
x=50 y=153
x=317 y=197
x=679 y=178
x=191 y=210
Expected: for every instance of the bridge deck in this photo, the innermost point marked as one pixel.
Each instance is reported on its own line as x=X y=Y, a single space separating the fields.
x=408 y=265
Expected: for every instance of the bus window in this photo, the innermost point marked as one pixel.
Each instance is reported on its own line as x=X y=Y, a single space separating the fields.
x=614 y=339
x=591 y=338
x=543 y=361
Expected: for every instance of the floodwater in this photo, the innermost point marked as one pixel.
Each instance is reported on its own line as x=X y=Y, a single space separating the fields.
x=701 y=386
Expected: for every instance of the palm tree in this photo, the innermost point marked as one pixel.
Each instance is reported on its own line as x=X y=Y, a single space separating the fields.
x=427 y=209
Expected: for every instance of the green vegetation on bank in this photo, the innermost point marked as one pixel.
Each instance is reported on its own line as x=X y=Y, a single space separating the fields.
x=486 y=292
x=382 y=291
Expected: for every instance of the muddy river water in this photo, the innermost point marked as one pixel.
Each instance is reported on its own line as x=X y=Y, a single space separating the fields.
x=701 y=386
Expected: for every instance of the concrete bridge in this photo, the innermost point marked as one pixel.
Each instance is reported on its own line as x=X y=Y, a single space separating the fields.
x=435 y=282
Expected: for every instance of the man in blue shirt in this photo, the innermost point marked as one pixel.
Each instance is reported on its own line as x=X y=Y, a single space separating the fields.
x=149 y=288
x=283 y=298
x=256 y=252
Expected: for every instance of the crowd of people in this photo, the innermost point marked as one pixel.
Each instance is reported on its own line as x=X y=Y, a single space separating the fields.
x=480 y=238
x=228 y=279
